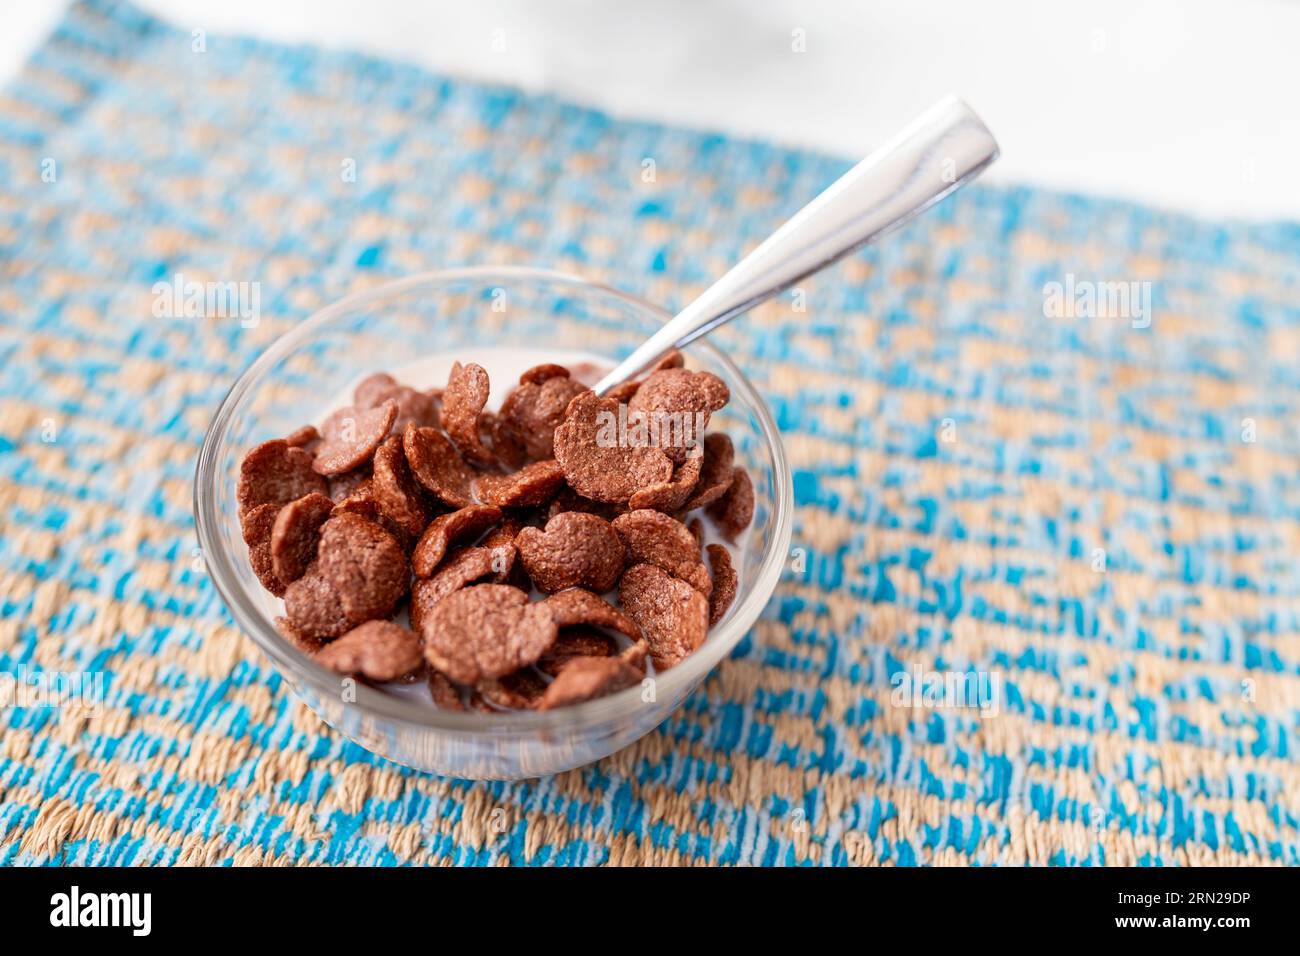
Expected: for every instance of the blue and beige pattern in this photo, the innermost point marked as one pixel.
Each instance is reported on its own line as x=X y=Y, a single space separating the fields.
x=1096 y=516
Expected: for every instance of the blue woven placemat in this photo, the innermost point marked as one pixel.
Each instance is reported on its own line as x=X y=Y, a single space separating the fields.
x=1089 y=514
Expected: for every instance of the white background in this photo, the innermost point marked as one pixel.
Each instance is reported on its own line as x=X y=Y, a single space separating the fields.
x=1189 y=104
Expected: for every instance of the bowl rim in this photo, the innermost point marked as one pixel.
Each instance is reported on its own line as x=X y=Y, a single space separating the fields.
x=300 y=669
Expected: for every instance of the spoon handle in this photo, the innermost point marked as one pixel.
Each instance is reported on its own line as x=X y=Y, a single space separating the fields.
x=941 y=150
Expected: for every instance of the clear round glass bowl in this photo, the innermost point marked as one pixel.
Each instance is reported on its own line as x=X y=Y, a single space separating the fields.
x=438 y=312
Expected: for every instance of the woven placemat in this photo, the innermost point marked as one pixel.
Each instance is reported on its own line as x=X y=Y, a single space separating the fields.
x=1043 y=602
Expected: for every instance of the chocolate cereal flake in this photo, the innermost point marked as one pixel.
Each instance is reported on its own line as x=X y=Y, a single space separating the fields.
x=677 y=389
x=673 y=615
x=413 y=406
x=670 y=495
x=577 y=606
x=259 y=558
x=370 y=391
x=689 y=397
x=580 y=641
x=541 y=373
x=257 y=524
x=624 y=391
x=295 y=534
x=458 y=570
x=276 y=473
x=671 y=359
x=313 y=607
x=467 y=522
x=446 y=695
x=576 y=549
x=377 y=650
x=437 y=465
x=525 y=428
x=365 y=566
x=303 y=437
x=569 y=500
x=596 y=463
x=350 y=436
x=636 y=654
x=532 y=485
x=716 y=473
x=396 y=491
x=500 y=544
x=304 y=642
x=735 y=510
x=462 y=403
x=655 y=538
x=416 y=407
x=360 y=502
x=586 y=678
x=344 y=485
x=486 y=631
x=518 y=691
x=725 y=582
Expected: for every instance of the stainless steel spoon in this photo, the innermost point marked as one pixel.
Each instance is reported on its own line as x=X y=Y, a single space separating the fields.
x=940 y=151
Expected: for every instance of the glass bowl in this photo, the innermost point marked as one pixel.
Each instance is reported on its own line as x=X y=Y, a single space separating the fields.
x=293 y=382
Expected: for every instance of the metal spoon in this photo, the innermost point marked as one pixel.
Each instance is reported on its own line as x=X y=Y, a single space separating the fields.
x=940 y=151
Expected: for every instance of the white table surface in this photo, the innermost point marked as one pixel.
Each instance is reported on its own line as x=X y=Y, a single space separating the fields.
x=1188 y=104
